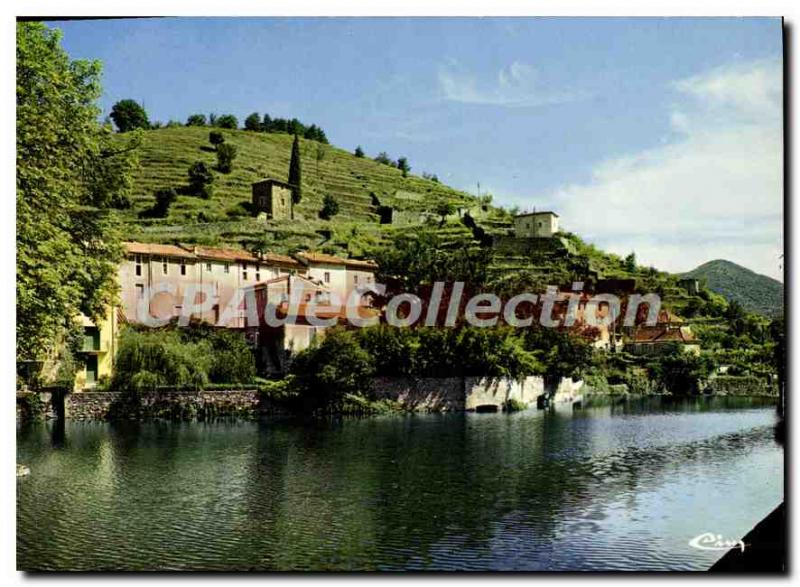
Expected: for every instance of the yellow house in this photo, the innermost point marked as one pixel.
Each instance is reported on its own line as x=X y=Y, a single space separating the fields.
x=96 y=358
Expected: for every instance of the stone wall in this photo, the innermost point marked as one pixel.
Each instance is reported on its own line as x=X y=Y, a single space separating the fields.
x=437 y=394
x=102 y=405
x=740 y=385
x=434 y=394
x=487 y=391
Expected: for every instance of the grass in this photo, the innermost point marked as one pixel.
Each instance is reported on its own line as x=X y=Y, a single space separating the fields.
x=166 y=154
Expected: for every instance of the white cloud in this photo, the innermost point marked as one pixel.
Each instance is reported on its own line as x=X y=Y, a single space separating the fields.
x=715 y=190
x=517 y=85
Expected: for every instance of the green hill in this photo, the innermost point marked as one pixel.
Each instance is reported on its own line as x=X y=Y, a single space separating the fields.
x=360 y=185
x=755 y=292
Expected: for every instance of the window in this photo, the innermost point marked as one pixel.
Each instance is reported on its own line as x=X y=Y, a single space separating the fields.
x=244 y=271
x=183 y=267
x=208 y=267
x=138 y=265
x=227 y=268
x=139 y=291
x=355 y=279
x=178 y=310
x=327 y=277
x=164 y=266
x=258 y=272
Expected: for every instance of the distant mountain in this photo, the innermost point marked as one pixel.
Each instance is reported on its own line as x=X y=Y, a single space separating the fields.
x=755 y=292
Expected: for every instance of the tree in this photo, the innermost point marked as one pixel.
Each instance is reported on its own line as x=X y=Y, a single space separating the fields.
x=266 y=124
x=216 y=138
x=71 y=173
x=330 y=207
x=630 y=262
x=129 y=115
x=201 y=180
x=359 y=152
x=253 y=122
x=226 y=153
x=325 y=373
x=164 y=199
x=402 y=165
x=384 y=159
x=196 y=120
x=295 y=172
x=227 y=121
x=445 y=209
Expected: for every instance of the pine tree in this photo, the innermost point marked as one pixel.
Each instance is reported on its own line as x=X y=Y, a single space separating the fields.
x=295 y=172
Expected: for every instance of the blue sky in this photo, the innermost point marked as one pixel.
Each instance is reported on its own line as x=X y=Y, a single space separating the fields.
x=661 y=136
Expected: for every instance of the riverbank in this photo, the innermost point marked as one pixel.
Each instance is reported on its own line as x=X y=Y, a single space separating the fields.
x=403 y=394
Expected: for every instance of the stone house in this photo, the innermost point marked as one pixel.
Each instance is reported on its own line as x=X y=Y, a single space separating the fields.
x=536 y=225
x=273 y=198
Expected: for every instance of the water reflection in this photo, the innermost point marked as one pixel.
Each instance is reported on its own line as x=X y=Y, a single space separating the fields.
x=612 y=485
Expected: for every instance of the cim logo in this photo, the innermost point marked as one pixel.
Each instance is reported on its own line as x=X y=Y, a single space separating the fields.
x=711 y=541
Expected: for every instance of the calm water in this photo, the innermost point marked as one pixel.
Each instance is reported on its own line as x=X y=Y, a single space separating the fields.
x=607 y=487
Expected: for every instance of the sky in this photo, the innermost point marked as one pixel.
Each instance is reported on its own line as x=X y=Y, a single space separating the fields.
x=661 y=136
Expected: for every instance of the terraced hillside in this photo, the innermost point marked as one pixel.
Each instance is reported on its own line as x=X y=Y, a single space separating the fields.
x=358 y=184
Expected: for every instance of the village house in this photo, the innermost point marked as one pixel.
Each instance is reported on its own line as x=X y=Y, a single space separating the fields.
x=234 y=277
x=668 y=331
x=536 y=225
x=273 y=198
x=149 y=267
x=96 y=356
x=342 y=276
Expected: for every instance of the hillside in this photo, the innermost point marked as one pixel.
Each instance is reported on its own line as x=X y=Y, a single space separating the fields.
x=755 y=292
x=358 y=184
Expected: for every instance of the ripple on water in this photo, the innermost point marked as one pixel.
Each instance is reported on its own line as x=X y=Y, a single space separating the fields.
x=594 y=490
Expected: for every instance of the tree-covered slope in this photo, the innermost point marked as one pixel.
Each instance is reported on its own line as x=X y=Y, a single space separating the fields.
x=755 y=292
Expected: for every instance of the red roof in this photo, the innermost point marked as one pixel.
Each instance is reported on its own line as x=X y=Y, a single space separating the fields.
x=313 y=257
x=211 y=253
x=135 y=248
x=659 y=334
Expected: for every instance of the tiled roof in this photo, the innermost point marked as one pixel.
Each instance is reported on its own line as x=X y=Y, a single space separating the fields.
x=659 y=334
x=313 y=257
x=211 y=253
x=280 y=259
x=537 y=213
x=224 y=254
x=135 y=248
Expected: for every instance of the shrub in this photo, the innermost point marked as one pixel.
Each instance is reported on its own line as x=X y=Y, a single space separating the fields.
x=330 y=207
x=148 y=359
x=384 y=159
x=200 y=180
x=226 y=153
x=325 y=373
x=227 y=121
x=231 y=359
x=196 y=120
x=129 y=115
x=514 y=405
x=216 y=138
x=359 y=152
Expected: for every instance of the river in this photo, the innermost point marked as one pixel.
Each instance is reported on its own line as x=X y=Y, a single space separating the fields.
x=612 y=486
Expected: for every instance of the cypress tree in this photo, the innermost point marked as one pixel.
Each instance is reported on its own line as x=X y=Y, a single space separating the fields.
x=295 y=173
